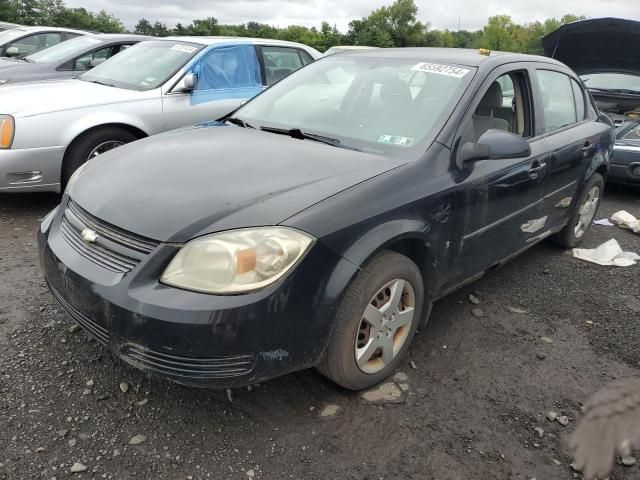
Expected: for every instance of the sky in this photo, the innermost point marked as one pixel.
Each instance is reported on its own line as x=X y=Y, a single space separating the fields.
x=469 y=14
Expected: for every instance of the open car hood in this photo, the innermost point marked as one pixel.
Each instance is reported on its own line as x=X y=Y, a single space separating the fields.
x=598 y=45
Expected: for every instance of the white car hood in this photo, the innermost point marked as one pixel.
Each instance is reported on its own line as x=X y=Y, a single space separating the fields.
x=28 y=99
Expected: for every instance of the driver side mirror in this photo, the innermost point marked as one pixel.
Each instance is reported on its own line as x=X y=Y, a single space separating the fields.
x=494 y=145
x=12 y=52
x=189 y=82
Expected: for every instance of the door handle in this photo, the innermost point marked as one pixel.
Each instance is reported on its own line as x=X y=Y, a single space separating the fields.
x=535 y=169
x=588 y=148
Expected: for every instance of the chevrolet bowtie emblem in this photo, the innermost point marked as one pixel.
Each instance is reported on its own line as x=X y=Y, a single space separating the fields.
x=88 y=235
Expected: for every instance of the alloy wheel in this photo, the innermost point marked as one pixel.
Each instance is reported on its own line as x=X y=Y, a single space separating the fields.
x=385 y=326
x=587 y=212
x=104 y=147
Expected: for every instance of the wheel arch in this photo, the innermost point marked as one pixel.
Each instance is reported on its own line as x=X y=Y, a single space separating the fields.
x=138 y=132
x=407 y=237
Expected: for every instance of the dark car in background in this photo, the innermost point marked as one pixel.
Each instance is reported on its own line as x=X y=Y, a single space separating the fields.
x=281 y=237
x=67 y=59
x=604 y=52
x=22 y=41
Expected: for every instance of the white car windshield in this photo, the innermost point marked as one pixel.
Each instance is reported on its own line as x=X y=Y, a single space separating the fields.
x=63 y=50
x=388 y=106
x=144 y=66
x=612 y=81
x=9 y=35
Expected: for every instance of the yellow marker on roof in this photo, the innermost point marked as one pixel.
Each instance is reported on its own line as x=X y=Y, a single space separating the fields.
x=484 y=51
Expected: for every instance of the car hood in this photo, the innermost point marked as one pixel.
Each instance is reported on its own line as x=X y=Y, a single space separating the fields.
x=598 y=45
x=26 y=99
x=182 y=184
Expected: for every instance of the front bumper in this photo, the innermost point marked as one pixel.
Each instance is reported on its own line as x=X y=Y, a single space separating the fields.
x=625 y=165
x=31 y=169
x=197 y=339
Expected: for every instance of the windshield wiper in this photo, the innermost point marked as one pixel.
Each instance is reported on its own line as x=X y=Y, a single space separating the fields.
x=300 y=135
x=25 y=59
x=239 y=122
x=99 y=83
x=616 y=90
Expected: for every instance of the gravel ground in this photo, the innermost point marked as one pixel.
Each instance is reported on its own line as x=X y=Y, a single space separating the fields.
x=465 y=405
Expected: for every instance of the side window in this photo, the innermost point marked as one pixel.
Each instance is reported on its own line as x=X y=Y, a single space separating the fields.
x=280 y=62
x=35 y=43
x=578 y=95
x=505 y=105
x=557 y=98
x=83 y=63
x=228 y=67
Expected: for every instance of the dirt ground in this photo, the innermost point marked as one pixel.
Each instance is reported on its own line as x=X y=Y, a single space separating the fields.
x=479 y=387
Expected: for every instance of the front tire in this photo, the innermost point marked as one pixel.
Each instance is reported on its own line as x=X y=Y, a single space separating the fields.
x=91 y=145
x=573 y=234
x=376 y=322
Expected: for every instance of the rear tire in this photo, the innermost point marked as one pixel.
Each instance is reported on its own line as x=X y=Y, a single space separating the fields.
x=91 y=145
x=375 y=323
x=586 y=208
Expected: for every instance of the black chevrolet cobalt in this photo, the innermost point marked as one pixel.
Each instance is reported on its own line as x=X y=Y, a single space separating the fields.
x=317 y=224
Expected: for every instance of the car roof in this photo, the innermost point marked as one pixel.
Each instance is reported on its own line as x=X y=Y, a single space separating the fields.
x=216 y=40
x=107 y=37
x=461 y=56
x=47 y=29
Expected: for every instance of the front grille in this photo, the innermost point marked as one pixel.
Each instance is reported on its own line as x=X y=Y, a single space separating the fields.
x=187 y=367
x=98 y=332
x=114 y=249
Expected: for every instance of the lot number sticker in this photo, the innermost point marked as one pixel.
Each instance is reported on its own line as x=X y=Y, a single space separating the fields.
x=439 y=69
x=397 y=141
x=183 y=48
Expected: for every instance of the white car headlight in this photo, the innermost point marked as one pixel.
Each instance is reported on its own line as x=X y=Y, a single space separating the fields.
x=237 y=261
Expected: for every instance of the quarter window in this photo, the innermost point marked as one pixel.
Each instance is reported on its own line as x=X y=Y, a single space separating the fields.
x=558 y=100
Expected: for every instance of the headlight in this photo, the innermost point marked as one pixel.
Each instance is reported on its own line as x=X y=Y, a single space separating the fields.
x=7 y=131
x=237 y=261
x=76 y=174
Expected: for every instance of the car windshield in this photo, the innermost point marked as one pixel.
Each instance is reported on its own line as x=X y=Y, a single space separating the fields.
x=612 y=81
x=9 y=35
x=63 y=50
x=386 y=106
x=144 y=66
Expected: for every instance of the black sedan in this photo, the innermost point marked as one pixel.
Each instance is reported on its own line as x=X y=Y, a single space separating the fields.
x=317 y=224
x=603 y=51
x=65 y=60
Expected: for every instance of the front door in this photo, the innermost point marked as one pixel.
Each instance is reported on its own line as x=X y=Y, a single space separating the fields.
x=227 y=76
x=500 y=201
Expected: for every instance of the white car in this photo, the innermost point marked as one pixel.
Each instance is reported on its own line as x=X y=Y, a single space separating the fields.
x=49 y=129
x=21 y=41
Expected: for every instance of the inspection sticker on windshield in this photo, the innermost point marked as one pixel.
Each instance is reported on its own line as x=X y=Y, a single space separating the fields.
x=440 y=69
x=397 y=141
x=183 y=48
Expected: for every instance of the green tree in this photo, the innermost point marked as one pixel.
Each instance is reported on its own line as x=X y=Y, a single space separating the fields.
x=143 y=27
x=498 y=34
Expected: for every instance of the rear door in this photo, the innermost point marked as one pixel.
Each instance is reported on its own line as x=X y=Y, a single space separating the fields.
x=574 y=139
x=500 y=201
x=227 y=76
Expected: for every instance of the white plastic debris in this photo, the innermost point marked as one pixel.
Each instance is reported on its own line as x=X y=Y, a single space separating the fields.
x=625 y=220
x=604 y=222
x=608 y=254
